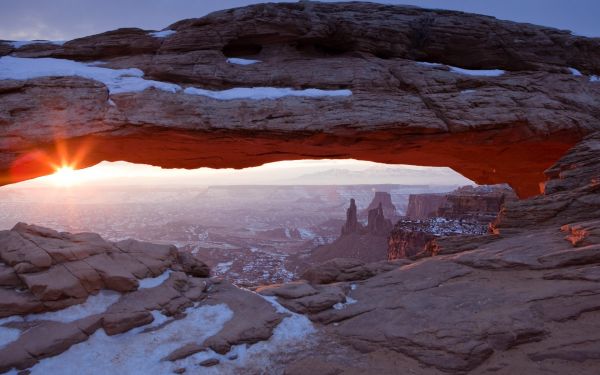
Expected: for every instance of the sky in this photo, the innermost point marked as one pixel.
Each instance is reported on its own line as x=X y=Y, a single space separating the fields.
x=300 y=172
x=68 y=19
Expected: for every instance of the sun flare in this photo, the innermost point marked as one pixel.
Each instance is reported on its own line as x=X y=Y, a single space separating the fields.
x=65 y=176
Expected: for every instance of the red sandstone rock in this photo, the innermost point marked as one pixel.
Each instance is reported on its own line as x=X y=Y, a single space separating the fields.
x=523 y=300
x=115 y=323
x=192 y=266
x=424 y=206
x=385 y=199
x=351 y=225
x=400 y=111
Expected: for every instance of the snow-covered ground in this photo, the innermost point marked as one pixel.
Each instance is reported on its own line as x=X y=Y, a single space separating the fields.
x=138 y=351
x=95 y=304
x=141 y=350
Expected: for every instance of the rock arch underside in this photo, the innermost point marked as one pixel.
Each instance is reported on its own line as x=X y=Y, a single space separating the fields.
x=497 y=101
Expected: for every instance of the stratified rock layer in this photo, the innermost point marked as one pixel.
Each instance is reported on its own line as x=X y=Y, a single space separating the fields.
x=466 y=211
x=400 y=110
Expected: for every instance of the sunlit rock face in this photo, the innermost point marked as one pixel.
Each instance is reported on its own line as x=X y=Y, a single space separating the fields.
x=494 y=100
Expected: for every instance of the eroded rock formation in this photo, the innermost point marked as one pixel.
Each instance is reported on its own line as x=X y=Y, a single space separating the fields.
x=466 y=211
x=384 y=199
x=351 y=225
x=365 y=242
x=377 y=223
x=481 y=203
x=400 y=110
x=424 y=206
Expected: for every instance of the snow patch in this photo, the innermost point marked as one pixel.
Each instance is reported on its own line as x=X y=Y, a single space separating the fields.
x=8 y=335
x=278 y=307
x=425 y=63
x=153 y=282
x=20 y=43
x=95 y=304
x=117 y=80
x=238 y=61
x=475 y=72
x=341 y=306
x=469 y=72
x=260 y=93
x=467 y=91
x=293 y=334
x=138 y=351
x=111 y=103
x=575 y=72
x=594 y=78
x=306 y=234
x=223 y=267
x=162 y=34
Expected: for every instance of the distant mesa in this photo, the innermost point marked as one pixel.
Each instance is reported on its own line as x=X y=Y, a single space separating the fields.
x=465 y=211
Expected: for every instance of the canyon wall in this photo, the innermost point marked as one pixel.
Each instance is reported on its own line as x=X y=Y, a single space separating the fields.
x=467 y=210
x=424 y=206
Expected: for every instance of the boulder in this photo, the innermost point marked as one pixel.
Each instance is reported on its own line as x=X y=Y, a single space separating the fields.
x=192 y=265
x=115 y=323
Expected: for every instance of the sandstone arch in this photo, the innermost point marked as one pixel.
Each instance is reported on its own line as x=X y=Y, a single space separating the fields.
x=507 y=127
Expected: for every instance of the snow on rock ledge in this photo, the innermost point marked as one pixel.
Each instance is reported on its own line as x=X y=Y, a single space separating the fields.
x=163 y=33
x=116 y=80
x=138 y=351
x=261 y=93
x=239 y=61
x=131 y=80
x=22 y=43
x=469 y=72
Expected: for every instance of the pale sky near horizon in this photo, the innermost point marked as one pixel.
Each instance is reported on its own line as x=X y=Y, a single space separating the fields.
x=68 y=19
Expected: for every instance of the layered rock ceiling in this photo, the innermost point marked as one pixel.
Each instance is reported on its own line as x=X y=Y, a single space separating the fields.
x=497 y=101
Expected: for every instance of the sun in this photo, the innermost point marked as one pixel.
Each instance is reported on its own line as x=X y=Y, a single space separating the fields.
x=64 y=176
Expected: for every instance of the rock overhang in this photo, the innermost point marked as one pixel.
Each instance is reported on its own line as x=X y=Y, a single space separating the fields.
x=504 y=127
